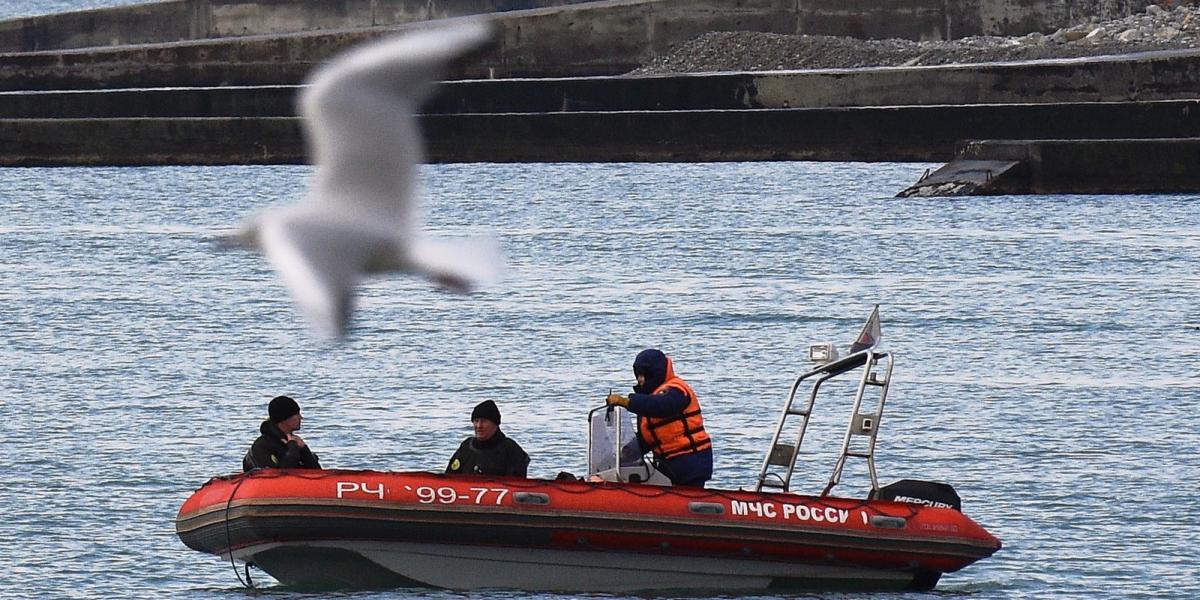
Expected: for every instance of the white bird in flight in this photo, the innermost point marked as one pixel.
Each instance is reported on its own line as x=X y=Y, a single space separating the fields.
x=360 y=214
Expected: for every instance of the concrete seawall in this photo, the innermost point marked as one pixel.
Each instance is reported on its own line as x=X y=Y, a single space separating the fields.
x=131 y=142
x=180 y=20
x=229 y=100
x=538 y=38
x=900 y=133
x=908 y=133
x=596 y=38
x=1152 y=76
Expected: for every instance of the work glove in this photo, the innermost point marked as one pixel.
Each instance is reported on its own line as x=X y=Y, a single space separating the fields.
x=617 y=400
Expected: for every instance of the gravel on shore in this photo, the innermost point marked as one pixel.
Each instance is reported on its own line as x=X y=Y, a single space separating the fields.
x=1155 y=28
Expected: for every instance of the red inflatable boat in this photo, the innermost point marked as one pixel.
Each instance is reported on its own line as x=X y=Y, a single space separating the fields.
x=622 y=530
x=364 y=529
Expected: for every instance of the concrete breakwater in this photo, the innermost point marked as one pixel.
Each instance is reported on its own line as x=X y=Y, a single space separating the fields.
x=1133 y=78
x=192 y=20
x=889 y=133
x=278 y=41
x=885 y=114
x=182 y=20
x=591 y=38
x=217 y=96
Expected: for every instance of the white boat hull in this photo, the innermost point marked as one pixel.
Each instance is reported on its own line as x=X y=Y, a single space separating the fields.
x=362 y=564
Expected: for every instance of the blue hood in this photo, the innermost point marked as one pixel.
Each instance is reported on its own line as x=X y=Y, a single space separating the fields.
x=655 y=365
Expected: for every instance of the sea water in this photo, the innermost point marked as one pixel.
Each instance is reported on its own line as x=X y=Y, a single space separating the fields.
x=1045 y=350
x=11 y=9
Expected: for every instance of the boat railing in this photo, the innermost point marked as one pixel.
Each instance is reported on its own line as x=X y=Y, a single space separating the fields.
x=859 y=441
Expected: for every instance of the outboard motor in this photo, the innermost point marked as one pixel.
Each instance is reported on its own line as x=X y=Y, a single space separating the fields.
x=927 y=493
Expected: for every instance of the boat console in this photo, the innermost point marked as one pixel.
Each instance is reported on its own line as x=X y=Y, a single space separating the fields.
x=614 y=454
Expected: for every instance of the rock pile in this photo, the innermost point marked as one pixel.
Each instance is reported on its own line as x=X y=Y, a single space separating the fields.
x=1156 y=28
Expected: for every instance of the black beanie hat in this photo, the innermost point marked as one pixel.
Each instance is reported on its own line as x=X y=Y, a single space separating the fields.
x=281 y=408
x=486 y=410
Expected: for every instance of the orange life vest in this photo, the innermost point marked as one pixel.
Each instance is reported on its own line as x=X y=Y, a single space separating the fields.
x=676 y=435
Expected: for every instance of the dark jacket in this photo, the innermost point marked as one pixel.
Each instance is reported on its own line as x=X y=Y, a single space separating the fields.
x=270 y=451
x=692 y=469
x=497 y=456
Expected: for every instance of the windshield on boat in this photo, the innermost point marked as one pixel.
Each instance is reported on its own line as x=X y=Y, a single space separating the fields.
x=605 y=426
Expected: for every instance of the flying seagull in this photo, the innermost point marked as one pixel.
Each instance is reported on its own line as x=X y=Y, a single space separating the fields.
x=360 y=214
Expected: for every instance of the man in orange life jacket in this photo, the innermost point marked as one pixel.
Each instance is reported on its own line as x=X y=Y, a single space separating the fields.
x=669 y=421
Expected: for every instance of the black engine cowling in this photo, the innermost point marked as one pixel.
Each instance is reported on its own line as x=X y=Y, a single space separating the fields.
x=928 y=493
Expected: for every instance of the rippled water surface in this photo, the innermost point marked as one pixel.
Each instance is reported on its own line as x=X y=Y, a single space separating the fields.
x=10 y=9
x=1045 y=353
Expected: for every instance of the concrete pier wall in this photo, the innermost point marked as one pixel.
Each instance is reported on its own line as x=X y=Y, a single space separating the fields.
x=867 y=19
x=596 y=38
x=182 y=20
x=1151 y=76
x=1096 y=166
x=130 y=142
x=229 y=100
x=554 y=38
x=896 y=133
x=899 y=133
x=265 y=101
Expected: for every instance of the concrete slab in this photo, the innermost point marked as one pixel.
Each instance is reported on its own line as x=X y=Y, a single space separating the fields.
x=135 y=142
x=230 y=101
x=898 y=133
x=1053 y=166
x=960 y=178
x=1134 y=77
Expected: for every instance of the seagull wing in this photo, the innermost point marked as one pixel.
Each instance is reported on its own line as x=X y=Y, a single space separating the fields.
x=458 y=265
x=360 y=213
x=318 y=259
x=358 y=112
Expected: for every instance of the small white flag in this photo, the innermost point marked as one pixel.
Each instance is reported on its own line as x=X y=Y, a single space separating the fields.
x=870 y=334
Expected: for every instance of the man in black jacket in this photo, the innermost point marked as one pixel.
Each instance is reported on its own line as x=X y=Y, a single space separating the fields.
x=279 y=446
x=489 y=451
